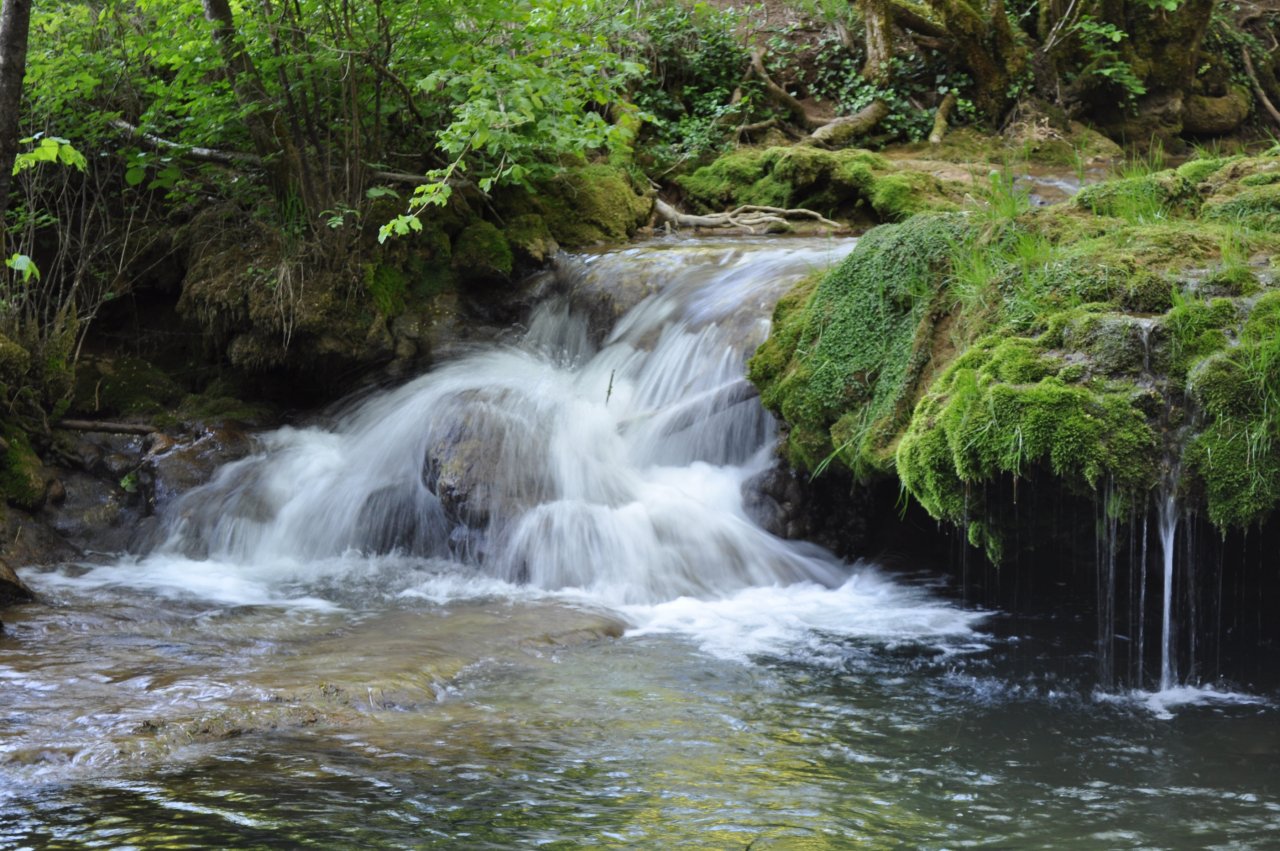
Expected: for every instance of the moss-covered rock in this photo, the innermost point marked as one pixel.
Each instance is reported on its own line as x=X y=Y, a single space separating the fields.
x=842 y=370
x=482 y=252
x=21 y=474
x=123 y=386
x=583 y=205
x=1101 y=340
x=531 y=239
x=850 y=184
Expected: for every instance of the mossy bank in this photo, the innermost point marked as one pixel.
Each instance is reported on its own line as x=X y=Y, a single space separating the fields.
x=1094 y=345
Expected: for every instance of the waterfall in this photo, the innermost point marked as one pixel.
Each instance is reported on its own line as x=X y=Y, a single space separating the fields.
x=557 y=461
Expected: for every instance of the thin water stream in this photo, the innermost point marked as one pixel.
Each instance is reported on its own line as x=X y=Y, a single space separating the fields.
x=520 y=602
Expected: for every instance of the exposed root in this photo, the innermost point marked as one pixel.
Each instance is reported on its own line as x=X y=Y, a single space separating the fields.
x=1258 y=90
x=941 y=117
x=749 y=218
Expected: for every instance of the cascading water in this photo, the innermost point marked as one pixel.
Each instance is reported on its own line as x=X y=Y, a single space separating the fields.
x=554 y=462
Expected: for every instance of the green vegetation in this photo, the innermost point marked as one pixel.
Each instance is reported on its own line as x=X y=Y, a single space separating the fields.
x=1078 y=343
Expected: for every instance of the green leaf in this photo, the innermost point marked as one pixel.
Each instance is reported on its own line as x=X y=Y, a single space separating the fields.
x=25 y=266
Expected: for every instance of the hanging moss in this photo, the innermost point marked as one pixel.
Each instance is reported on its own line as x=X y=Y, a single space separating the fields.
x=1236 y=456
x=1004 y=408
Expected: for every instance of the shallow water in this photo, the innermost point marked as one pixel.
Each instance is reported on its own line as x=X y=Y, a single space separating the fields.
x=606 y=653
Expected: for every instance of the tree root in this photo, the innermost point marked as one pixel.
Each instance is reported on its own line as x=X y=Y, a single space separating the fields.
x=750 y=218
x=941 y=117
x=1258 y=90
x=827 y=132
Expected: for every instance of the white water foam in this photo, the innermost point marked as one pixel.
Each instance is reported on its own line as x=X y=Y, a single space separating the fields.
x=610 y=475
x=1164 y=703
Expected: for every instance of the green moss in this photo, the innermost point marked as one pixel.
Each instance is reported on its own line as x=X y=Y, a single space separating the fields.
x=1256 y=207
x=846 y=183
x=1200 y=169
x=481 y=251
x=590 y=204
x=15 y=362
x=894 y=197
x=21 y=474
x=123 y=386
x=998 y=410
x=842 y=371
x=1145 y=198
x=387 y=286
x=530 y=238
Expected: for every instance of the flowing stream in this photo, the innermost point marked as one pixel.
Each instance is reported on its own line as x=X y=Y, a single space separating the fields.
x=522 y=601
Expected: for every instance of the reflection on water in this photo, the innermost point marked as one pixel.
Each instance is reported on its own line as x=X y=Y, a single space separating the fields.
x=499 y=722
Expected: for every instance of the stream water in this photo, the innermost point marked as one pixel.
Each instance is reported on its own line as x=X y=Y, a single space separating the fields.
x=521 y=602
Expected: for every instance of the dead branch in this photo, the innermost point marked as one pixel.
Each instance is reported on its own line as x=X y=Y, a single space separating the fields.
x=242 y=158
x=940 y=119
x=753 y=219
x=107 y=427
x=1257 y=87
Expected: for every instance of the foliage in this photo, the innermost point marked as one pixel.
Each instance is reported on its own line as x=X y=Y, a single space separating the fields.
x=695 y=61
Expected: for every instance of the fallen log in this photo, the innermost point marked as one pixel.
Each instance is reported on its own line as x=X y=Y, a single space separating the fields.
x=841 y=131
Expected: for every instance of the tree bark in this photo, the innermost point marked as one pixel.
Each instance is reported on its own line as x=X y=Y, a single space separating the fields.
x=879 y=41
x=15 y=19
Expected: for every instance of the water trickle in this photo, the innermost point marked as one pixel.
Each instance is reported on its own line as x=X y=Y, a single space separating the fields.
x=1169 y=516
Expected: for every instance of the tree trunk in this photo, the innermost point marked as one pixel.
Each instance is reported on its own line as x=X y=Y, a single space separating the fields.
x=15 y=18
x=279 y=155
x=879 y=41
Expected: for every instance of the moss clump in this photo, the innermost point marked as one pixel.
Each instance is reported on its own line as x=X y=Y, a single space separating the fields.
x=1256 y=207
x=531 y=239
x=15 y=361
x=842 y=370
x=846 y=184
x=481 y=251
x=123 y=386
x=999 y=410
x=1236 y=457
x=1200 y=169
x=589 y=205
x=1143 y=198
x=386 y=285
x=21 y=474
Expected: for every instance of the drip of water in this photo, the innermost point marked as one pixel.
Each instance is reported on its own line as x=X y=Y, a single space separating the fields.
x=1169 y=515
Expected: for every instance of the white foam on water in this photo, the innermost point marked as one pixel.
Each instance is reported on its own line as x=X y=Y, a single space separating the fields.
x=1163 y=704
x=809 y=621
